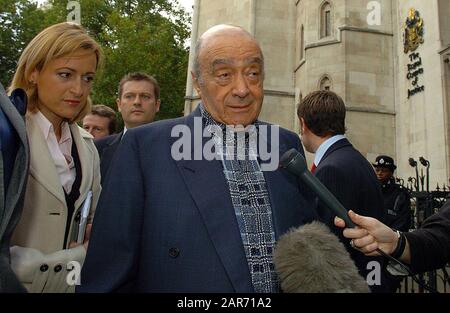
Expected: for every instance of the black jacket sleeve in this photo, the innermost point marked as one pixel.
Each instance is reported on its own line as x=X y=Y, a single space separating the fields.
x=430 y=245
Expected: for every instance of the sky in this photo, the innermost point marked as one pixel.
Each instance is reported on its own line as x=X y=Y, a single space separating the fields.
x=186 y=3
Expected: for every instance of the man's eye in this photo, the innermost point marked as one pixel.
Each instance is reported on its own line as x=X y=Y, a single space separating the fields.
x=224 y=75
x=253 y=74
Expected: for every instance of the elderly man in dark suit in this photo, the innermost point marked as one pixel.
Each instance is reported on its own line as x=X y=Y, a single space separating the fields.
x=339 y=166
x=200 y=212
x=14 y=160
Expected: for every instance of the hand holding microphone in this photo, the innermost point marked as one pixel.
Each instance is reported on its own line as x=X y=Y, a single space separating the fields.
x=370 y=236
x=295 y=163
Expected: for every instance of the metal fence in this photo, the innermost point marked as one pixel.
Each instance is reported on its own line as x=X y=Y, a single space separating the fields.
x=424 y=203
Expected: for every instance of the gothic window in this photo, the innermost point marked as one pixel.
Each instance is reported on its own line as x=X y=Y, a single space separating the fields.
x=325 y=83
x=325 y=20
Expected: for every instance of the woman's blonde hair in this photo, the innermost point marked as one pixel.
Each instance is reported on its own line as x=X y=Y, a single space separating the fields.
x=56 y=41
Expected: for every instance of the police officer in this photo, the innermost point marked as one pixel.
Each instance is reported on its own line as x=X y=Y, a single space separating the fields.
x=397 y=206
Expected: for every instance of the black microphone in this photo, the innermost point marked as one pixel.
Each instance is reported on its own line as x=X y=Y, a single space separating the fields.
x=311 y=259
x=295 y=163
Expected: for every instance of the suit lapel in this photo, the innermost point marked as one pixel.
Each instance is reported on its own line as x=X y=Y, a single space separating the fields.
x=207 y=185
x=42 y=167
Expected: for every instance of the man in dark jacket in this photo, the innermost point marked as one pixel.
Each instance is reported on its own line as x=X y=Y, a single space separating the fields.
x=138 y=101
x=397 y=205
x=341 y=168
x=170 y=221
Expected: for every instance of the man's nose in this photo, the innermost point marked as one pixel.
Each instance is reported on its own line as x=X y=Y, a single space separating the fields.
x=137 y=100
x=240 y=86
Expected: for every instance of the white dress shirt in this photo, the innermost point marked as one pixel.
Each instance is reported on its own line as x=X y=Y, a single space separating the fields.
x=61 y=151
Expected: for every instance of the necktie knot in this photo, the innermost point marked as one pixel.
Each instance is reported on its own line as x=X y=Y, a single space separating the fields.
x=313 y=168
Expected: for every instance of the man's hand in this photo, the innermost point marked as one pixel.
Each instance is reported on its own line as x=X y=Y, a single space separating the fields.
x=370 y=234
x=87 y=235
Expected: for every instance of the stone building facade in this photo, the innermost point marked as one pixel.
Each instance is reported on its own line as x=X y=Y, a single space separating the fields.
x=357 y=49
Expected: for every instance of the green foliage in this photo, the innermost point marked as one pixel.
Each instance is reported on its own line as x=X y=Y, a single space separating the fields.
x=136 y=35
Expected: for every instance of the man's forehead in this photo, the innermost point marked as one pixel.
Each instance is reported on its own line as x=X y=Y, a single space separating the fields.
x=224 y=36
x=227 y=50
x=231 y=61
x=224 y=30
x=138 y=86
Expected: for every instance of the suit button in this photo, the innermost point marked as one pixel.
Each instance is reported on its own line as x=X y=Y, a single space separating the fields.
x=44 y=268
x=58 y=268
x=174 y=252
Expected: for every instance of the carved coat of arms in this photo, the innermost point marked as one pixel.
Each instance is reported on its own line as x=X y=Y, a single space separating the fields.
x=413 y=35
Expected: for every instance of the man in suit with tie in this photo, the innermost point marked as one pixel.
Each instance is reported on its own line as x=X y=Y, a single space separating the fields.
x=138 y=102
x=339 y=166
x=14 y=161
x=171 y=219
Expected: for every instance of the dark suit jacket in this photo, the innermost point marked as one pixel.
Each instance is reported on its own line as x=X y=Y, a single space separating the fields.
x=169 y=226
x=11 y=202
x=107 y=147
x=352 y=180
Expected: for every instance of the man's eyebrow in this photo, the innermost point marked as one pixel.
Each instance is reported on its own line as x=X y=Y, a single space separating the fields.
x=248 y=61
x=222 y=61
x=252 y=60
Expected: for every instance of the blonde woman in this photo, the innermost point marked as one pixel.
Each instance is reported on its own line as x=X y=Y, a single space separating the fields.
x=56 y=70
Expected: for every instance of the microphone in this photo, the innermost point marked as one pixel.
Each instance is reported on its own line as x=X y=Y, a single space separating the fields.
x=295 y=163
x=311 y=259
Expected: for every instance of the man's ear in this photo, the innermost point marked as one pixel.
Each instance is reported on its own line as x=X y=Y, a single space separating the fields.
x=157 y=105
x=304 y=128
x=118 y=104
x=196 y=83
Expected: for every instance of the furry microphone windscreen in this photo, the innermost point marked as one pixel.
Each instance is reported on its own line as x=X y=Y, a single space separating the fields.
x=311 y=259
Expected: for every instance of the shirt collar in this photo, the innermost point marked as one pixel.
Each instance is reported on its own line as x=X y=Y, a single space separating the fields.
x=43 y=122
x=47 y=127
x=323 y=148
